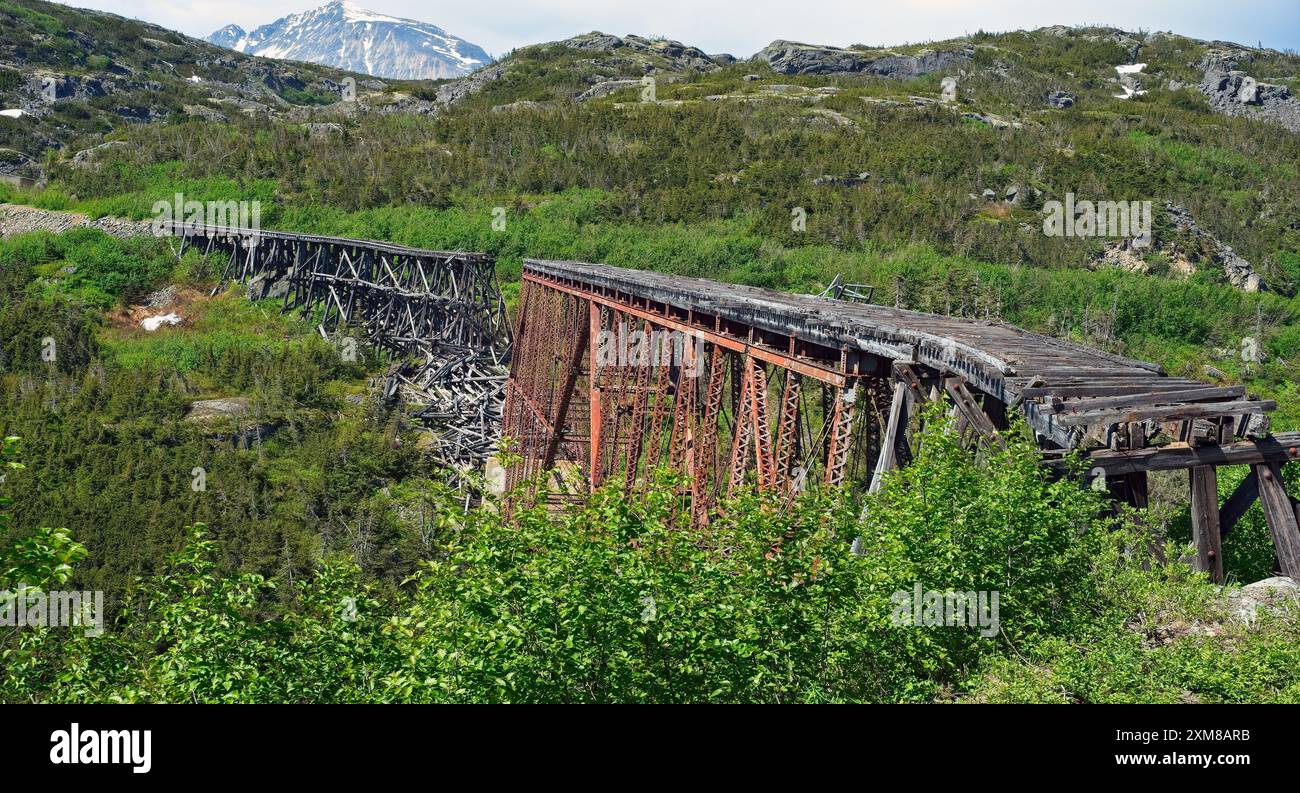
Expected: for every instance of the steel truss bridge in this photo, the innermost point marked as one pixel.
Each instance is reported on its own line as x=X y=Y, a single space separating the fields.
x=618 y=373
x=440 y=314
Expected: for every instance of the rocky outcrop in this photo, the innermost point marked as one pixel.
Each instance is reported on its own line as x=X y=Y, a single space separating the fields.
x=457 y=90
x=1239 y=271
x=228 y=420
x=845 y=180
x=209 y=409
x=789 y=57
x=1235 y=93
x=1188 y=249
x=675 y=55
x=88 y=158
x=16 y=219
x=617 y=58
x=606 y=88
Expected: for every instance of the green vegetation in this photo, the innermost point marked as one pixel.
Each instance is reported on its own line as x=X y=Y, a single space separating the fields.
x=613 y=602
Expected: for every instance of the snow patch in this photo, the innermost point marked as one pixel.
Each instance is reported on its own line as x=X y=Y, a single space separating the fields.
x=1127 y=69
x=158 y=320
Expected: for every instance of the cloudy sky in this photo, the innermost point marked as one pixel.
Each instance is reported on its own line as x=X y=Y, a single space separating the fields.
x=742 y=27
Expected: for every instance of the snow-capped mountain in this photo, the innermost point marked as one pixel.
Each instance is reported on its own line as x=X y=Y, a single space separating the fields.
x=347 y=37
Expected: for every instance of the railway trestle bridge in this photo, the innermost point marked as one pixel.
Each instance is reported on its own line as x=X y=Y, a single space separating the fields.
x=616 y=373
x=782 y=390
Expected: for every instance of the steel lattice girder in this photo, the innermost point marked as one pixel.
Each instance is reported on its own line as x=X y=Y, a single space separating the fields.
x=613 y=420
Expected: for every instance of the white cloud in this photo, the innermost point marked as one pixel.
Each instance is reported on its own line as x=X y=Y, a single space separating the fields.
x=742 y=27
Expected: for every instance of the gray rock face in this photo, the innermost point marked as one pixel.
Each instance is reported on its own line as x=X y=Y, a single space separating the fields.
x=606 y=88
x=456 y=90
x=267 y=287
x=323 y=129
x=208 y=409
x=1188 y=250
x=789 y=57
x=1235 y=93
x=86 y=158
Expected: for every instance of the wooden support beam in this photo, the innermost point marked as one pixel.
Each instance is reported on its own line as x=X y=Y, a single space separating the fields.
x=888 y=459
x=1237 y=504
x=1283 y=522
x=970 y=410
x=1146 y=399
x=1205 y=521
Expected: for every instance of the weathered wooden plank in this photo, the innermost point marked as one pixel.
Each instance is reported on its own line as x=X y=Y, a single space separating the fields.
x=1163 y=412
x=1146 y=398
x=970 y=410
x=888 y=459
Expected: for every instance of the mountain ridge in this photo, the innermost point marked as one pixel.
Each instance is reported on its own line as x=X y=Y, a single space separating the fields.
x=346 y=36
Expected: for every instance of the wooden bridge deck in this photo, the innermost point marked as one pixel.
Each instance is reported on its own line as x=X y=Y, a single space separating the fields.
x=1060 y=385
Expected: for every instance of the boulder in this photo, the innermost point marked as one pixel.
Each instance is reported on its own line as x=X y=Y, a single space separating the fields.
x=1277 y=595
x=848 y=180
x=606 y=88
x=210 y=409
x=948 y=90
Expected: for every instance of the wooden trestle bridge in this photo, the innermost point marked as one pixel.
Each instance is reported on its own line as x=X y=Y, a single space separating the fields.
x=615 y=373
x=618 y=372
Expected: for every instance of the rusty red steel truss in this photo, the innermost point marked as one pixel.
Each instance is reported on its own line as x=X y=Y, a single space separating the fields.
x=620 y=374
x=607 y=387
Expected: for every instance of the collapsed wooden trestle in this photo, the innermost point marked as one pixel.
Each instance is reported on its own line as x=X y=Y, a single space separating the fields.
x=440 y=314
